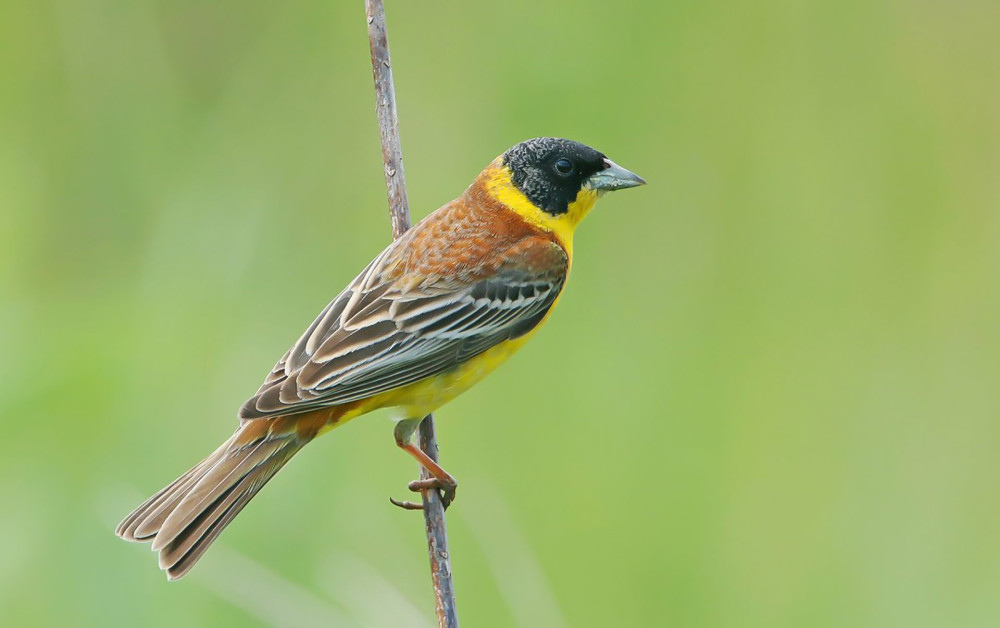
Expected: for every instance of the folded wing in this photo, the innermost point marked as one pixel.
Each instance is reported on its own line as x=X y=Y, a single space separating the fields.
x=393 y=327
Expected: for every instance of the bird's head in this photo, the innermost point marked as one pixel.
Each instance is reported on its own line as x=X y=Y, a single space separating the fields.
x=553 y=182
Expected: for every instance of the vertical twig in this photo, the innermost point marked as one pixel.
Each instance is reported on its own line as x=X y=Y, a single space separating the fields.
x=399 y=211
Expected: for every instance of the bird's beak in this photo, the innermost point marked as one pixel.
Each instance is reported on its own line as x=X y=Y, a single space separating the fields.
x=613 y=177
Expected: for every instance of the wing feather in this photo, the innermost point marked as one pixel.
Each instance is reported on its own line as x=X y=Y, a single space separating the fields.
x=391 y=328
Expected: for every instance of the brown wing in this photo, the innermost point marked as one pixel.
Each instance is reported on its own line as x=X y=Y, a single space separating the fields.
x=405 y=319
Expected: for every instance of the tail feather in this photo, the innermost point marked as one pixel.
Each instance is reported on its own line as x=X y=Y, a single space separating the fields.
x=146 y=520
x=183 y=552
x=184 y=518
x=225 y=475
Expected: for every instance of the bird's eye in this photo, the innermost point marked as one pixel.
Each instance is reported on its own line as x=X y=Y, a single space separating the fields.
x=564 y=166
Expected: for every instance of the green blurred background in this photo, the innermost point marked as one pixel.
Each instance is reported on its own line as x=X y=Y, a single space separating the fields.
x=768 y=398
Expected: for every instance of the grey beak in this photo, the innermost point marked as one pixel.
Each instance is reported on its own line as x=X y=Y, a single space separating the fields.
x=614 y=177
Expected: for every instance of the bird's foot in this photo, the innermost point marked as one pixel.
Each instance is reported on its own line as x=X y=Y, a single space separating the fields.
x=447 y=487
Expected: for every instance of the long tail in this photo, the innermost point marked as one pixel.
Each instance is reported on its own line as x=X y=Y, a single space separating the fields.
x=184 y=518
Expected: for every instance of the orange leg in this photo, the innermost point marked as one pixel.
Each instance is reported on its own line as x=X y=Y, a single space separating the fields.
x=441 y=480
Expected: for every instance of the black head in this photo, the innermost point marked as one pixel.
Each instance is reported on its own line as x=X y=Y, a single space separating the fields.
x=550 y=171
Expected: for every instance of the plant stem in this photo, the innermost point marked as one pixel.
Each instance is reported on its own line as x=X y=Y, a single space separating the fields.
x=399 y=212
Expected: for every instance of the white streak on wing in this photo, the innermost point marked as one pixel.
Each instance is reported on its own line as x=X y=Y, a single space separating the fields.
x=377 y=316
x=322 y=328
x=333 y=374
x=349 y=375
x=444 y=312
x=431 y=304
x=347 y=347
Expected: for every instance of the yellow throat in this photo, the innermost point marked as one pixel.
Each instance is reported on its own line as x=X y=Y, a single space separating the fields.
x=499 y=185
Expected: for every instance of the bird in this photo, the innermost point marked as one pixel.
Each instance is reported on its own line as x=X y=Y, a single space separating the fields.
x=434 y=313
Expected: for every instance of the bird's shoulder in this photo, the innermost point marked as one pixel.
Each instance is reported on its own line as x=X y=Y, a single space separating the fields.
x=471 y=239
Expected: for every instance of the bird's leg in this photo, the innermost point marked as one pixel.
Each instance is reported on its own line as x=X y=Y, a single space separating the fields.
x=441 y=480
